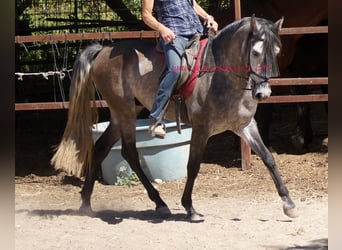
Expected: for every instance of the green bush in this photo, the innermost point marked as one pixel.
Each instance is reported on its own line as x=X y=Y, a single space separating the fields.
x=126 y=179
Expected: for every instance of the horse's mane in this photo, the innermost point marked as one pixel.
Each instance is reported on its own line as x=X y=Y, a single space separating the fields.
x=231 y=28
x=267 y=29
x=271 y=38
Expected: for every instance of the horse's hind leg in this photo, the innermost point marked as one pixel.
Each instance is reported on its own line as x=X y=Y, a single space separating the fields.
x=101 y=149
x=252 y=137
x=303 y=132
x=303 y=135
x=130 y=154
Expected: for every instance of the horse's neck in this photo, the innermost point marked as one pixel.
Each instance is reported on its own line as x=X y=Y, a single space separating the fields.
x=228 y=61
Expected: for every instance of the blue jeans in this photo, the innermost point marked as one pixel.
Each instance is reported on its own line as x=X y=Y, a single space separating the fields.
x=173 y=54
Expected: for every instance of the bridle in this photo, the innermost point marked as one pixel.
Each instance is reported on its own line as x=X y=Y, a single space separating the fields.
x=251 y=72
x=249 y=78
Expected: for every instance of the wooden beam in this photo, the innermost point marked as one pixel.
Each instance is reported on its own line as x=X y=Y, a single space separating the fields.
x=51 y=105
x=87 y=36
x=147 y=33
x=296 y=98
x=298 y=81
x=103 y=104
x=304 y=30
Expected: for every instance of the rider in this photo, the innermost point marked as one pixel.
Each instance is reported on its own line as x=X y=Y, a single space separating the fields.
x=176 y=21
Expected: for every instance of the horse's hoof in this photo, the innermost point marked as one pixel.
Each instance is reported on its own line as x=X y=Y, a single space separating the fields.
x=195 y=217
x=163 y=212
x=298 y=141
x=86 y=210
x=290 y=211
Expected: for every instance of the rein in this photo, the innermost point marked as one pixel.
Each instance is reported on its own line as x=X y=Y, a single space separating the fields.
x=248 y=77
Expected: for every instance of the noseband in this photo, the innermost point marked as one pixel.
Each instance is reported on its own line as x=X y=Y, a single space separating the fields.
x=249 y=78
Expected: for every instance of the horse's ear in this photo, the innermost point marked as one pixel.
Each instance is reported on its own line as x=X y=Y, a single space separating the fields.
x=253 y=23
x=278 y=24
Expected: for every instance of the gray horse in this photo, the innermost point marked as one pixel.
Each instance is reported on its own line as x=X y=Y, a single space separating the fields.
x=239 y=61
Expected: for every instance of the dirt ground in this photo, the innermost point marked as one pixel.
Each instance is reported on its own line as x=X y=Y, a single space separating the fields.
x=241 y=209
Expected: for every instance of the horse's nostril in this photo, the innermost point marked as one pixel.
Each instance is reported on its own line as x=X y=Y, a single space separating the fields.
x=262 y=95
x=259 y=96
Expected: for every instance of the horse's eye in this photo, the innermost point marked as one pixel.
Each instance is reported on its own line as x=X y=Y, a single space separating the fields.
x=255 y=53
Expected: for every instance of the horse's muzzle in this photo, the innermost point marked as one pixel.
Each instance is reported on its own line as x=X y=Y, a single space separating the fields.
x=262 y=91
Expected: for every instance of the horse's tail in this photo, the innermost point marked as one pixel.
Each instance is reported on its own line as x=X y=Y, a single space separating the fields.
x=74 y=153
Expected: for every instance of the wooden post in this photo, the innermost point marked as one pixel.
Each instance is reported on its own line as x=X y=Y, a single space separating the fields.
x=245 y=149
x=245 y=155
x=237 y=5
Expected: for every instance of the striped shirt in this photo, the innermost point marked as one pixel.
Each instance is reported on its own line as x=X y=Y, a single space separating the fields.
x=179 y=16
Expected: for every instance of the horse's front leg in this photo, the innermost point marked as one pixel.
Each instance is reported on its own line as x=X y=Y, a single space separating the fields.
x=197 y=146
x=252 y=137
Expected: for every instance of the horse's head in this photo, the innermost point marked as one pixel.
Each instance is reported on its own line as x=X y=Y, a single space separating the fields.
x=250 y=45
x=263 y=47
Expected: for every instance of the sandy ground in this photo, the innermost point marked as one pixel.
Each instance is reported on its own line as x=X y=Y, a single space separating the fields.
x=241 y=211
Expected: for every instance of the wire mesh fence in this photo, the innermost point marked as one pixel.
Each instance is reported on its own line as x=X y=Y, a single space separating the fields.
x=43 y=69
x=60 y=16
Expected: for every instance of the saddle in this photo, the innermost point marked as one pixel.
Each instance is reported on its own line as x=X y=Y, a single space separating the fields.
x=191 y=54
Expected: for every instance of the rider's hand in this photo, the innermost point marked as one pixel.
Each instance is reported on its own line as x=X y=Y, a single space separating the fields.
x=211 y=24
x=167 y=35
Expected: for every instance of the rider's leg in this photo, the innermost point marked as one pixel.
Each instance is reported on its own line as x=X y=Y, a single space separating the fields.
x=173 y=53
